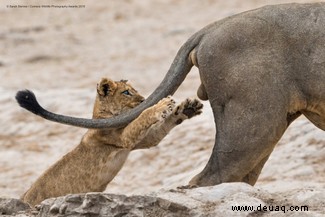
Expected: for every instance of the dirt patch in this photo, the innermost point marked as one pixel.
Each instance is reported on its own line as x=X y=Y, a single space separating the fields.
x=62 y=53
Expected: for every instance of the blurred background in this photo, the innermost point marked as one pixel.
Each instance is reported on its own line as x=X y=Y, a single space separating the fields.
x=61 y=53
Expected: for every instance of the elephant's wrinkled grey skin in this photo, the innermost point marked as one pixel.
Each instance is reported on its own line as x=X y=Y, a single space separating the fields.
x=260 y=70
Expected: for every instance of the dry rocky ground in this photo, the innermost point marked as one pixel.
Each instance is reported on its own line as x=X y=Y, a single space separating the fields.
x=61 y=53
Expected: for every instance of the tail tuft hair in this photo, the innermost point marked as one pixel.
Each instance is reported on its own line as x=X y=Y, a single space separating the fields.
x=27 y=100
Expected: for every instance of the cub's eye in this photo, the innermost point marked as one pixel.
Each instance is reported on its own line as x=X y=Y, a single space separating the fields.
x=126 y=92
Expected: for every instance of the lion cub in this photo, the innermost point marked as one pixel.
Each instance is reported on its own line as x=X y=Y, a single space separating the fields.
x=102 y=152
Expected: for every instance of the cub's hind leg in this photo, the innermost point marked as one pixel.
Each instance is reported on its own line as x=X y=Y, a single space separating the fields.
x=138 y=129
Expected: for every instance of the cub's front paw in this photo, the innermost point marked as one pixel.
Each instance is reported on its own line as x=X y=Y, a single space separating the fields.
x=190 y=108
x=164 y=108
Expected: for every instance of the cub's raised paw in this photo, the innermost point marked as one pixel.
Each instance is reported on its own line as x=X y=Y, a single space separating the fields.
x=164 y=108
x=190 y=108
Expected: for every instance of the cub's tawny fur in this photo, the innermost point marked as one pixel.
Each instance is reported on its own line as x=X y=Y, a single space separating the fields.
x=260 y=70
x=102 y=152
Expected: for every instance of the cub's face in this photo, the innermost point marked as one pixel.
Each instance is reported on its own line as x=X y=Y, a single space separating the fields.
x=114 y=98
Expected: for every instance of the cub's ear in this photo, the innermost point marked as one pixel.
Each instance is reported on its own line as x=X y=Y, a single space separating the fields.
x=106 y=87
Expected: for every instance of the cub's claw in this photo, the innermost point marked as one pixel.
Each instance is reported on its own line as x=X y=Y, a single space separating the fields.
x=165 y=107
x=192 y=107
